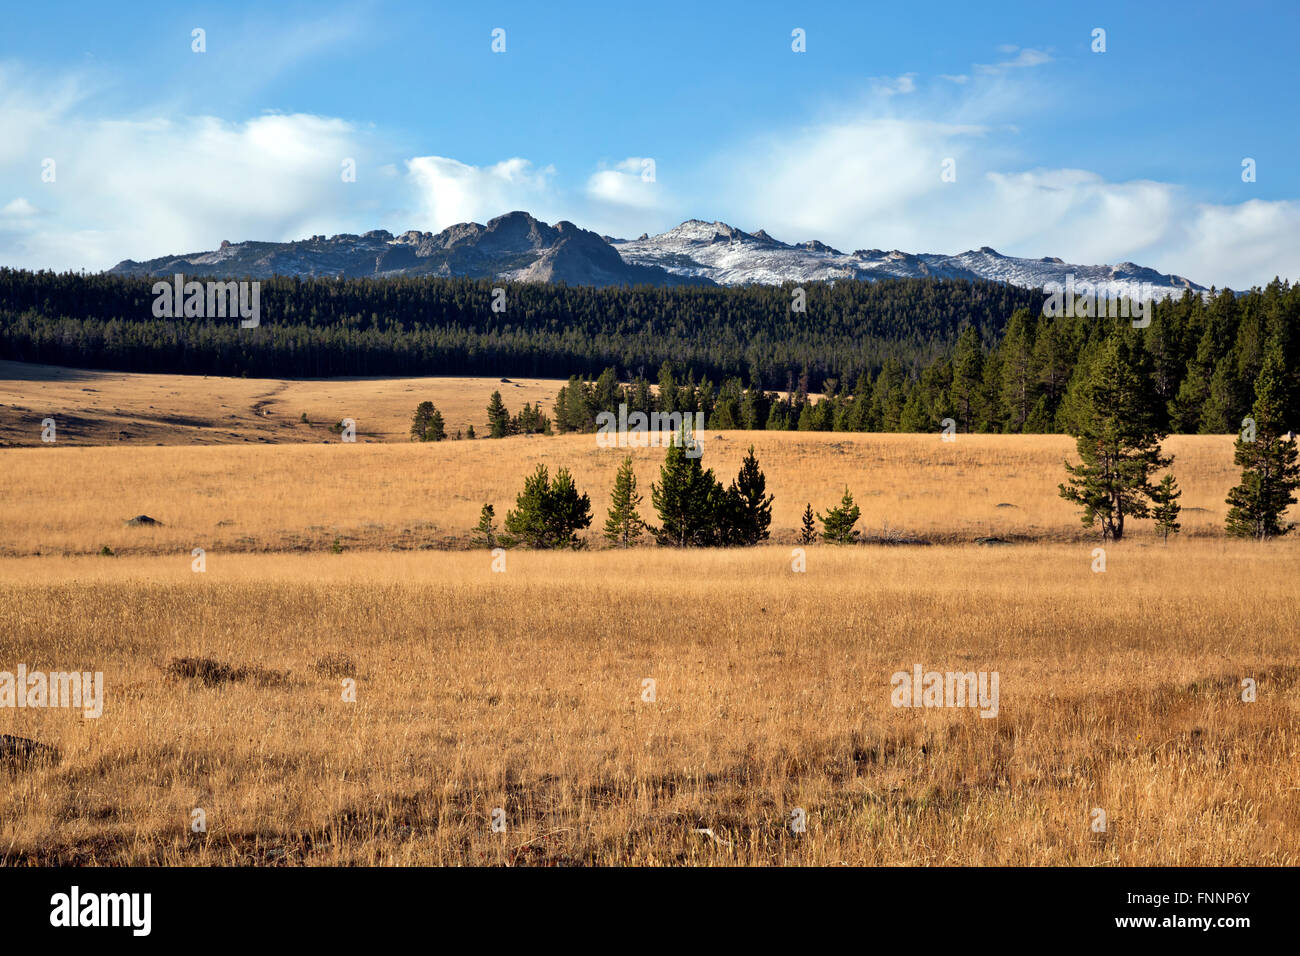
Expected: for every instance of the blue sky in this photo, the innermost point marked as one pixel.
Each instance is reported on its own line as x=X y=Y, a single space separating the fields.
x=1131 y=154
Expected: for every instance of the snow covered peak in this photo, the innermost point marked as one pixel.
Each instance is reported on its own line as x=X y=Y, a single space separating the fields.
x=730 y=256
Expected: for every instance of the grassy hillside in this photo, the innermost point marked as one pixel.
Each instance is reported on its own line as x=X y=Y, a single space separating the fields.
x=126 y=408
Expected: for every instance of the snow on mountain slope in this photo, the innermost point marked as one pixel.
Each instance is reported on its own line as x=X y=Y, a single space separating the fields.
x=729 y=256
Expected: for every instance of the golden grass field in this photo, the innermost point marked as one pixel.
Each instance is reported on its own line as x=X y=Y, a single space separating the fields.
x=235 y=498
x=110 y=408
x=522 y=690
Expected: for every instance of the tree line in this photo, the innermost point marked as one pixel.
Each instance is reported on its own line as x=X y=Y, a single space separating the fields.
x=1196 y=365
x=892 y=355
x=315 y=328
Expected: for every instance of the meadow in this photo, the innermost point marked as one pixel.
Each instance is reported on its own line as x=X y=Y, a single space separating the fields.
x=524 y=690
x=93 y=407
x=337 y=569
x=298 y=497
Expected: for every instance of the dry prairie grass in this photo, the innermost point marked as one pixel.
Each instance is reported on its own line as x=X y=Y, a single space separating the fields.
x=303 y=497
x=110 y=408
x=522 y=691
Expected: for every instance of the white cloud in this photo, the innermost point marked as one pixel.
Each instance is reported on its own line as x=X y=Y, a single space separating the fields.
x=894 y=86
x=155 y=184
x=632 y=182
x=872 y=179
x=1025 y=58
x=852 y=182
x=449 y=191
x=140 y=188
x=18 y=208
x=1242 y=245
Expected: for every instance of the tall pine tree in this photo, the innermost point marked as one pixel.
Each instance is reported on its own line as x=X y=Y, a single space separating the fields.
x=624 y=525
x=684 y=498
x=1165 y=507
x=1118 y=439
x=498 y=417
x=1269 y=470
x=752 y=512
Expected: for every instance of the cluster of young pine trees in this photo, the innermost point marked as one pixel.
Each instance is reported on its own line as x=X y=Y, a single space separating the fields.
x=427 y=424
x=693 y=506
x=527 y=421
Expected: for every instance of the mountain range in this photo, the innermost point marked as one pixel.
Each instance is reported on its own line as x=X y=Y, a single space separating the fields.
x=519 y=247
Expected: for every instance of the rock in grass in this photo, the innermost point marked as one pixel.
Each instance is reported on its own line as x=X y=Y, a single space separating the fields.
x=20 y=752
x=213 y=673
x=335 y=665
x=205 y=670
x=140 y=520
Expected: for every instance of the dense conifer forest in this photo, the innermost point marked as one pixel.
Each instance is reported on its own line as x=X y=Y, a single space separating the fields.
x=433 y=326
x=895 y=355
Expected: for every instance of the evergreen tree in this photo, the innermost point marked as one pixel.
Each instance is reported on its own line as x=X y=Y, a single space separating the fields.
x=1165 y=510
x=1185 y=410
x=778 y=419
x=420 y=421
x=668 y=399
x=570 y=512
x=530 y=421
x=498 y=417
x=752 y=509
x=684 y=498
x=888 y=397
x=726 y=523
x=968 y=380
x=726 y=412
x=641 y=399
x=624 y=524
x=549 y=515
x=606 y=394
x=916 y=415
x=1054 y=360
x=485 y=533
x=1223 y=406
x=808 y=534
x=1018 y=386
x=1270 y=474
x=576 y=406
x=427 y=424
x=436 y=430
x=837 y=523
x=1119 y=442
